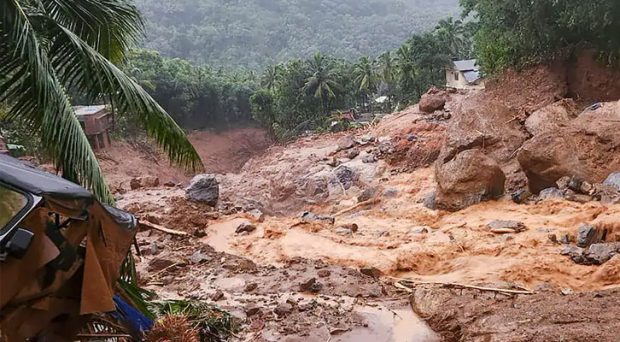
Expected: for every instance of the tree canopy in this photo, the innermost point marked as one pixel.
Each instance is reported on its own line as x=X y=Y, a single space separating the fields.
x=254 y=33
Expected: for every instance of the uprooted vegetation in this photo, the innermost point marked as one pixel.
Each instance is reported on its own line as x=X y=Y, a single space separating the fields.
x=323 y=225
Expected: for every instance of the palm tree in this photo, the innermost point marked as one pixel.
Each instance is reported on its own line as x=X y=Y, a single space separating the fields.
x=51 y=47
x=451 y=33
x=270 y=77
x=386 y=62
x=322 y=82
x=365 y=78
x=406 y=68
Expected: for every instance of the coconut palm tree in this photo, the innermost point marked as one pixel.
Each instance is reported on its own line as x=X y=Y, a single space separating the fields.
x=49 y=48
x=451 y=33
x=321 y=82
x=269 y=80
x=365 y=78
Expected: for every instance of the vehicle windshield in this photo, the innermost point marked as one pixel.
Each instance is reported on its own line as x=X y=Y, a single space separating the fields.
x=11 y=203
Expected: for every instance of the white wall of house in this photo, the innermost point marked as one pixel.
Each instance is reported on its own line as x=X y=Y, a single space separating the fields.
x=456 y=79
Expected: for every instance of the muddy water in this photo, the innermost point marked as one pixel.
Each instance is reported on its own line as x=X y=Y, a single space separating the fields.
x=396 y=325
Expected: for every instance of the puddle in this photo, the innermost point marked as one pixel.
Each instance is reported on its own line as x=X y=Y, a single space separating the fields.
x=384 y=325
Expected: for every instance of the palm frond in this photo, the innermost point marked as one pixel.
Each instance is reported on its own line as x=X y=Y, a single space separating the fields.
x=37 y=95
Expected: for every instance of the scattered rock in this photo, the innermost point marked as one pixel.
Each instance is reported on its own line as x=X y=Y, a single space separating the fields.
x=351 y=226
x=420 y=230
x=371 y=272
x=520 y=196
x=600 y=253
x=333 y=162
x=323 y=273
x=553 y=238
x=367 y=194
x=204 y=188
x=470 y=178
x=613 y=180
x=311 y=285
x=217 y=296
x=567 y=239
x=252 y=310
x=588 y=234
x=158 y=264
x=346 y=143
x=369 y=158
x=412 y=137
x=149 y=181
x=199 y=233
x=345 y=176
x=245 y=227
x=134 y=184
x=170 y=184
x=312 y=217
x=430 y=200
x=390 y=193
x=199 y=258
x=257 y=215
x=343 y=231
x=429 y=103
x=506 y=226
x=550 y=193
x=250 y=287
x=283 y=310
x=353 y=153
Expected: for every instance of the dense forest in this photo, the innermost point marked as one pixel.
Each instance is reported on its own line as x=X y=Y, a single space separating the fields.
x=254 y=33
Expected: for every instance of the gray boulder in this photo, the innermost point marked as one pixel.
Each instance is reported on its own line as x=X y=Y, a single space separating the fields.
x=613 y=180
x=345 y=175
x=203 y=188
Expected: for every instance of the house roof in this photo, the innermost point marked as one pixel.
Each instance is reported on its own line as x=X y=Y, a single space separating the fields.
x=88 y=110
x=466 y=65
x=471 y=76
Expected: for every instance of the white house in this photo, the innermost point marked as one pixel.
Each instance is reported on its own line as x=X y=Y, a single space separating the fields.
x=464 y=75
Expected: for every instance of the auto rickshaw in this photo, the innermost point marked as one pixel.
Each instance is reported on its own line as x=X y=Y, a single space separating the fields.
x=61 y=253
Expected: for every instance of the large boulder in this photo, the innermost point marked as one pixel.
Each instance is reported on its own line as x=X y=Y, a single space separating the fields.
x=469 y=178
x=588 y=148
x=204 y=188
x=429 y=103
x=486 y=125
x=551 y=117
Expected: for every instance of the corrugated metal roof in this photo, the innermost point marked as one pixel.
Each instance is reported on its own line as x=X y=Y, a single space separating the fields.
x=88 y=110
x=471 y=76
x=466 y=65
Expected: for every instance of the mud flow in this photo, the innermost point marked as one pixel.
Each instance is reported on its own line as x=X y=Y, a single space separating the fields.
x=422 y=227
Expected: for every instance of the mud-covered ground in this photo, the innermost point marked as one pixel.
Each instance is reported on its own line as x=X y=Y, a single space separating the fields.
x=294 y=279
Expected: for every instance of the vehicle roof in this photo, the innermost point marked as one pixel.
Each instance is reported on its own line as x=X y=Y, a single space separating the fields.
x=25 y=177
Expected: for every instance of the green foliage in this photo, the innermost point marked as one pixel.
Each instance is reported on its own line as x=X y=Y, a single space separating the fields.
x=47 y=47
x=254 y=33
x=520 y=32
x=212 y=323
x=195 y=96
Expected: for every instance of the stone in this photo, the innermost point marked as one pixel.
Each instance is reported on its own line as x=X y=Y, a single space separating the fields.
x=311 y=285
x=245 y=227
x=520 y=196
x=429 y=103
x=158 y=264
x=170 y=184
x=217 y=296
x=323 y=273
x=506 y=226
x=550 y=193
x=553 y=238
x=345 y=176
x=588 y=234
x=371 y=272
x=199 y=233
x=369 y=159
x=566 y=239
x=353 y=153
x=257 y=215
x=346 y=143
x=429 y=200
x=283 y=310
x=312 y=217
x=250 y=287
x=390 y=193
x=135 y=184
x=613 y=180
x=343 y=231
x=470 y=178
x=600 y=253
x=204 y=188
x=351 y=226
x=551 y=117
x=412 y=137
x=253 y=310
x=149 y=181
x=367 y=194
x=585 y=148
x=199 y=258
x=420 y=230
